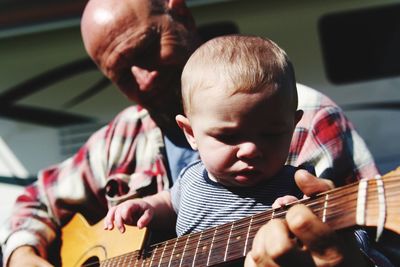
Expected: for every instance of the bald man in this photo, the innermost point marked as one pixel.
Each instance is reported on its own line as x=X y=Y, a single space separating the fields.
x=142 y=46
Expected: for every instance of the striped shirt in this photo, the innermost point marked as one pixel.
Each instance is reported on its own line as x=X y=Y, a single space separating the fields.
x=201 y=203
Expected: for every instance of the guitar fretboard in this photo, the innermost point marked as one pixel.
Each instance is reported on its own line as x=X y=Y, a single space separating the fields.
x=338 y=208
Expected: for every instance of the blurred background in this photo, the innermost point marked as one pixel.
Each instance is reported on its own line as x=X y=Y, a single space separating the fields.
x=52 y=97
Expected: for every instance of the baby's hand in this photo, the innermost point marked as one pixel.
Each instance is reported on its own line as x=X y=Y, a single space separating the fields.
x=282 y=201
x=131 y=212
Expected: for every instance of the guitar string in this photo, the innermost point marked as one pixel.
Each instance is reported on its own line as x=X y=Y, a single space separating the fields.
x=281 y=214
x=222 y=241
x=225 y=240
x=278 y=214
x=256 y=220
x=205 y=240
x=347 y=211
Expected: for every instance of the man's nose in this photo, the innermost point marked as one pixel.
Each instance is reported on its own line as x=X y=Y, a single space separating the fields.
x=248 y=150
x=144 y=78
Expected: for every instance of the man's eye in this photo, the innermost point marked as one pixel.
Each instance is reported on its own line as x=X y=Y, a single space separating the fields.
x=227 y=138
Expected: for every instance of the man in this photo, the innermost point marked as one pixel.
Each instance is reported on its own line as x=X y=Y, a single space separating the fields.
x=141 y=46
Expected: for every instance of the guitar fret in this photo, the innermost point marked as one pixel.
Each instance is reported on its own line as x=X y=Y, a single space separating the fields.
x=189 y=252
x=136 y=260
x=172 y=252
x=227 y=243
x=124 y=261
x=167 y=257
x=157 y=253
x=184 y=250
x=237 y=240
x=211 y=246
x=130 y=259
x=145 y=259
x=162 y=253
x=248 y=234
x=152 y=255
x=218 y=245
x=177 y=255
x=197 y=248
x=142 y=258
x=133 y=259
x=118 y=261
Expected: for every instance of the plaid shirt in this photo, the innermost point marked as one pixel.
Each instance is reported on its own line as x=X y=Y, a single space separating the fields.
x=326 y=139
x=126 y=158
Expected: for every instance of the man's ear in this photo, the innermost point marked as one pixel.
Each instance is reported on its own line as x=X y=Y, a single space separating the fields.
x=178 y=7
x=184 y=124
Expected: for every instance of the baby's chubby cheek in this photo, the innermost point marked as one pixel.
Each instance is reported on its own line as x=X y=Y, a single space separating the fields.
x=216 y=166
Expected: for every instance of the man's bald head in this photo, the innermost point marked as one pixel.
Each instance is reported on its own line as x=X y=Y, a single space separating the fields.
x=108 y=26
x=156 y=36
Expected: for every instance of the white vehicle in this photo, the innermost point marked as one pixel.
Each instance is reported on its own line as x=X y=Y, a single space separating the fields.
x=52 y=97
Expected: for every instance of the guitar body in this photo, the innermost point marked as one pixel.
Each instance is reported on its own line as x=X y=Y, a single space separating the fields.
x=83 y=243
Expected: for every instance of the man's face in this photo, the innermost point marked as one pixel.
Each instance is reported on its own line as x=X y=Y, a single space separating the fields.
x=242 y=139
x=146 y=61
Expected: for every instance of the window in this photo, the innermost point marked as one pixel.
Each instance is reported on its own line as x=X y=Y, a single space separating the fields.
x=361 y=45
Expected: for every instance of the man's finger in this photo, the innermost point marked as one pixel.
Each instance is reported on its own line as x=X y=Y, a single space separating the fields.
x=310 y=184
x=316 y=236
x=274 y=245
x=266 y=248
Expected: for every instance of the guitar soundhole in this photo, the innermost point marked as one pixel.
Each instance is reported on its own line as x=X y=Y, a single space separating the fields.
x=92 y=262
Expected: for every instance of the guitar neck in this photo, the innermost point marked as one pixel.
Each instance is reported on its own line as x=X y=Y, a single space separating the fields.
x=369 y=202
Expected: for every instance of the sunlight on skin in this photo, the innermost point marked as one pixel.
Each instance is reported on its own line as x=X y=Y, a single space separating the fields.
x=102 y=16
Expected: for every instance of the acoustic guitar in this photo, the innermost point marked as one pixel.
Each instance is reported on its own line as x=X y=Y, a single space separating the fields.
x=370 y=202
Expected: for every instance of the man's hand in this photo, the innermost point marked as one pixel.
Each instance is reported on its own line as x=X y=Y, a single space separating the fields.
x=310 y=184
x=26 y=256
x=302 y=239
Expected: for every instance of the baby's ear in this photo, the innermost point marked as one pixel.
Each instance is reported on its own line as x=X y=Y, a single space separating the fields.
x=184 y=124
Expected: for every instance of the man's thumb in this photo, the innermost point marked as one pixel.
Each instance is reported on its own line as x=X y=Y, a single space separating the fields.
x=310 y=184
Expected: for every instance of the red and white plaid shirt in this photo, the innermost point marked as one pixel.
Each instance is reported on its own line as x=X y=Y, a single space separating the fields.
x=326 y=139
x=126 y=158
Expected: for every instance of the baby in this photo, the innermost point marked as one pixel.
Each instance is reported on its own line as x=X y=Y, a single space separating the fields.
x=240 y=102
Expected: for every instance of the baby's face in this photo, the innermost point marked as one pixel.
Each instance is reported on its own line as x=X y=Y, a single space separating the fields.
x=243 y=139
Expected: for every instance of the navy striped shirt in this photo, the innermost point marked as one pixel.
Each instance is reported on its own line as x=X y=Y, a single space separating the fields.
x=201 y=203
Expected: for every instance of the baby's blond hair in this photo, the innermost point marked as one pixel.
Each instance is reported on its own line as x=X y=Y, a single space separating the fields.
x=242 y=63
